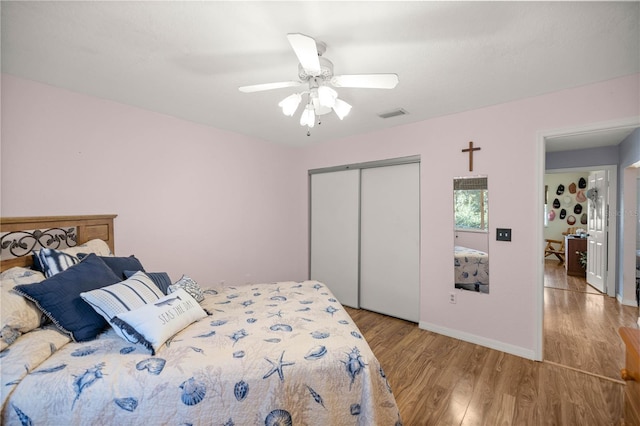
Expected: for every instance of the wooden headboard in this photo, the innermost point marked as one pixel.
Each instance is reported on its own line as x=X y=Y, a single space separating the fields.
x=86 y=228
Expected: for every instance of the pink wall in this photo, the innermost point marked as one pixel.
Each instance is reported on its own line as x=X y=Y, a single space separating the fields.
x=508 y=136
x=474 y=240
x=221 y=206
x=190 y=199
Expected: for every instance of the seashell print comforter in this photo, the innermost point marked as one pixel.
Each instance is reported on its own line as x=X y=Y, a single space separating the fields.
x=284 y=353
x=471 y=266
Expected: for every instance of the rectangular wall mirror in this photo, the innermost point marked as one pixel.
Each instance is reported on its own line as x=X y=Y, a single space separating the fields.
x=471 y=233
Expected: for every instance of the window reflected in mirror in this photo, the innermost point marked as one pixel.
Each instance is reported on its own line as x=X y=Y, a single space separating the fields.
x=471 y=233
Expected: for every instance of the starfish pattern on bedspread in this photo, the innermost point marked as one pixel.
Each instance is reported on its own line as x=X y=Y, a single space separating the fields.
x=276 y=366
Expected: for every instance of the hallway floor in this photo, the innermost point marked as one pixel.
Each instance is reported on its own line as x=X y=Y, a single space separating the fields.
x=581 y=324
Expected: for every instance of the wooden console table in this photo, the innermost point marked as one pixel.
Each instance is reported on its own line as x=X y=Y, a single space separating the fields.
x=572 y=248
x=631 y=375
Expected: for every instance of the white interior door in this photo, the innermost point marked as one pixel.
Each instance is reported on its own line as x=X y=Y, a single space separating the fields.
x=597 y=230
x=335 y=222
x=390 y=241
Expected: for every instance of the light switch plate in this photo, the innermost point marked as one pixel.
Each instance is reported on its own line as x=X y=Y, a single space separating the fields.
x=503 y=234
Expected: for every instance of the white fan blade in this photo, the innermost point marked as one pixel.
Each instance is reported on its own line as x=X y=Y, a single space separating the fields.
x=366 y=81
x=269 y=86
x=307 y=52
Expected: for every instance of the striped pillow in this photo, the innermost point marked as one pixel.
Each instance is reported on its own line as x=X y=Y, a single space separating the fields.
x=162 y=279
x=122 y=297
x=53 y=261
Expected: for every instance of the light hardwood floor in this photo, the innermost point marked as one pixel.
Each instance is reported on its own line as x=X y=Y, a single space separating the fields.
x=581 y=324
x=438 y=380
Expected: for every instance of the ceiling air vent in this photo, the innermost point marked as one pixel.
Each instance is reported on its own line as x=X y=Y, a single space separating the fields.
x=394 y=113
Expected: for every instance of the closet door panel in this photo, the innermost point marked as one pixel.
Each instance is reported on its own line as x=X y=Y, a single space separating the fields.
x=390 y=241
x=335 y=219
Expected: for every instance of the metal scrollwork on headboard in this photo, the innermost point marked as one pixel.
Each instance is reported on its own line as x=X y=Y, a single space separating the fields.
x=22 y=243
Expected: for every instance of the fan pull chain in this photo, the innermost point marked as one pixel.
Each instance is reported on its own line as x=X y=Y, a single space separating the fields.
x=309 y=128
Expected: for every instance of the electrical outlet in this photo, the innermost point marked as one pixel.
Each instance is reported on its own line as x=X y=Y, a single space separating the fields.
x=453 y=298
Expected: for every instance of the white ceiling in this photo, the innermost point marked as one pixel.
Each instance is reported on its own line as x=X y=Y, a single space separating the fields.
x=591 y=139
x=187 y=59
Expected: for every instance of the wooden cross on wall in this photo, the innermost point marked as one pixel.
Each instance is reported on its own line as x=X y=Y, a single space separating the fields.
x=470 y=151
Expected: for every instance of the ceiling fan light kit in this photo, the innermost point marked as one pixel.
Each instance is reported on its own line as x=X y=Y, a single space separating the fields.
x=317 y=73
x=308 y=117
x=327 y=96
x=341 y=108
x=290 y=104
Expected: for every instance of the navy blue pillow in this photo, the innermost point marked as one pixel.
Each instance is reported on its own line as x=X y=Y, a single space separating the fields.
x=59 y=297
x=161 y=279
x=120 y=264
x=37 y=265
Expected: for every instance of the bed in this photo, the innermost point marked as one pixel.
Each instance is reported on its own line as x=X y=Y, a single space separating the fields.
x=471 y=268
x=275 y=354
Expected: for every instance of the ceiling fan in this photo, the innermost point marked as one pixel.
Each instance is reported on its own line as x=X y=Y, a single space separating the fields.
x=315 y=74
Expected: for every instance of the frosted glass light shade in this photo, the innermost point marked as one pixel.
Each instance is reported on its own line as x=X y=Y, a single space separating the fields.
x=320 y=109
x=327 y=96
x=290 y=104
x=341 y=108
x=308 y=117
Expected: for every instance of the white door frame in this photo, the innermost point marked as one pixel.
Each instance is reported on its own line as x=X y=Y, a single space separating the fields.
x=627 y=259
x=540 y=151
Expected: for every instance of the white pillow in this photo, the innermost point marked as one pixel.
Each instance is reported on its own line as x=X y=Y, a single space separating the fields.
x=155 y=323
x=53 y=261
x=125 y=296
x=18 y=315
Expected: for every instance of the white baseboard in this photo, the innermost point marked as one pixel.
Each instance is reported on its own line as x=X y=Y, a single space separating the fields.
x=626 y=302
x=479 y=340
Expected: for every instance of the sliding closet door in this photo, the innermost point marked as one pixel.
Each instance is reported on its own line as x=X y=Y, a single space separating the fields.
x=390 y=241
x=335 y=218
